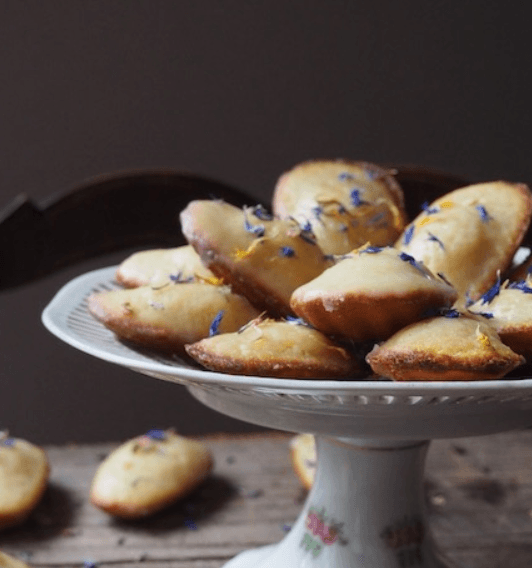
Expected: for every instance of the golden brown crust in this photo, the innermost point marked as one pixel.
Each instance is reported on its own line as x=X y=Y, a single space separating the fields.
x=412 y=365
x=276 y=349
x=167 y=318
x=256 y=367
x=444 y=349
x=361 y=318
x=370 y=296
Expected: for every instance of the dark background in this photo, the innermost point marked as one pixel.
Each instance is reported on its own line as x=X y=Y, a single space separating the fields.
x=238 y=91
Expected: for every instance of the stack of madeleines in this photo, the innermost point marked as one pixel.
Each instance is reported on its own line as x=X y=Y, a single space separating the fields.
x=337 y=283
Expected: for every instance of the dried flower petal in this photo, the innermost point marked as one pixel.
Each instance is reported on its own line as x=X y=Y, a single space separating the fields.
x=492 y=292
x=257 y=230
x=260 y=212
x=356 y=200
x=370 y=250
x=156 y=434
x=487 y=315
x=408 y=234
x=213 y=329
x=297 y=321
x=521 y=285
x=345 y=176
x=428 y=209
x=450 y=313
x=177 y=278
x=5 y=440
x=411 y=260
x=484 y=215
x=317 y=211
x=435 y=239
x=287 y=252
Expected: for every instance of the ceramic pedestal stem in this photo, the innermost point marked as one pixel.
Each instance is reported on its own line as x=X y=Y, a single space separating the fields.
x=365 y=510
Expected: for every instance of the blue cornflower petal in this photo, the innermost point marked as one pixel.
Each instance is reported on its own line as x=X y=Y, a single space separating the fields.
x=435 y=239
x=257 y=230
x=306 y=226
x=411 y=260
x=371 y=250
x=408 y=234
x=287 y=251
x=297 y=321
x=156 y=434
x=345 y=176
x=213 y=329
x=356 y=200
x=450 y=313
x=492 y=292
x=260 y=212
x=428 y=209
x=521 y=285
x=484 y=215
x=487 y=315
x=318 y=211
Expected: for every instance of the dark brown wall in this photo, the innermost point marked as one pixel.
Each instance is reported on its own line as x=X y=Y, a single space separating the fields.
x=238 y=91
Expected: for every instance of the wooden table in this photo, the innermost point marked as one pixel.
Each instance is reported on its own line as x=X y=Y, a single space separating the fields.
x=479 y=496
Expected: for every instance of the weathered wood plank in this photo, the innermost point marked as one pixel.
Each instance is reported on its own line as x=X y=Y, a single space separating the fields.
x=478 y=491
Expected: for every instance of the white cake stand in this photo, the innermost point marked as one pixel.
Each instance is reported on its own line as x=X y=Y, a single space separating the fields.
x=366 y=508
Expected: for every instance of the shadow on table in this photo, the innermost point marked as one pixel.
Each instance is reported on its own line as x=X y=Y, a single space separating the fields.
x=186 y=514
x=52 y=517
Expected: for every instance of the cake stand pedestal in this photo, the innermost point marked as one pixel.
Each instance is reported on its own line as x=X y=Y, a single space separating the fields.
x=366 y=508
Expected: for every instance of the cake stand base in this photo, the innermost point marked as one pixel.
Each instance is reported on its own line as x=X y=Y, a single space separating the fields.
x=366 y=510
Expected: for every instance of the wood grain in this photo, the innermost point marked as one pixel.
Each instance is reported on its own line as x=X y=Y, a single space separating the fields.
x=478 y=491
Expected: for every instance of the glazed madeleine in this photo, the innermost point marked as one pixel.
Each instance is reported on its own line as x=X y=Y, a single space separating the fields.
x=470 y=234
x=262 y=258
x=508 y=309
x=148 y=473
x=161 y=266
x=370 y=294
x=265 y=347
x=346 y=204
x=452 y=347
x=168 y=317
